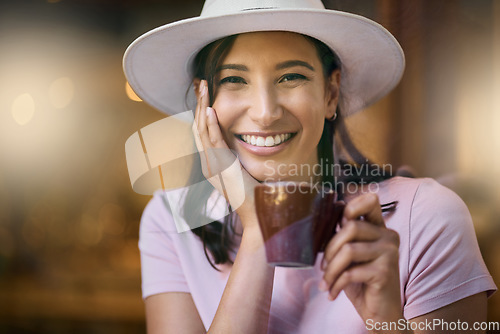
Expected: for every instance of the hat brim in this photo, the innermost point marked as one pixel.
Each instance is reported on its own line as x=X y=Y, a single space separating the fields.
x=158 y=64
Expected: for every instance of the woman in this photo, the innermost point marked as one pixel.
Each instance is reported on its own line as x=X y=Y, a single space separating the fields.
x=272 y=94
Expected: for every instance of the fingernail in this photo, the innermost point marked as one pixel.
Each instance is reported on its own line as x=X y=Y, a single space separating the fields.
x=323 y=286
x=209 y=111
x=323 y=264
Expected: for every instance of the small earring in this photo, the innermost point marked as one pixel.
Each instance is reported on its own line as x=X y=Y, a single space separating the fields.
x=334 y=117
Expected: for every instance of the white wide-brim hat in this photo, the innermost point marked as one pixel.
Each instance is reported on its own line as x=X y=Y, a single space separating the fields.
x=159 y=64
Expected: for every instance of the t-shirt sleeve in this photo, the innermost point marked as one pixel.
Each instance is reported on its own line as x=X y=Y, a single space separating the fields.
x=160 y=266
x=445 y=264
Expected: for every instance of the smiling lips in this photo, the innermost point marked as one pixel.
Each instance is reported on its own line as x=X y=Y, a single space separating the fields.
x=268 y=141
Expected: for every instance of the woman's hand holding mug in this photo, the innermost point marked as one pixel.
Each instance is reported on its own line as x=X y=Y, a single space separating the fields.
x=362 y=260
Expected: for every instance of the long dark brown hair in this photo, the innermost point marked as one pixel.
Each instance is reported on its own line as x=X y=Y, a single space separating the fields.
x=218 y=237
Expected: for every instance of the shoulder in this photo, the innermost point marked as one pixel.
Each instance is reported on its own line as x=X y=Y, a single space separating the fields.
x=429 y=216
x=158 y=212
x=425 y=208
x=440 y=205
x=440 y=261
x=433 y=196
x=424 y=194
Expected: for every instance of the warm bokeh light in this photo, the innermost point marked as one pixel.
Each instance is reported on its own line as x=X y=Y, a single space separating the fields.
x=112 y=219
x=23 y=109
x=478 y=112
x=131 y=94
x=89 y=232
x=61 y=92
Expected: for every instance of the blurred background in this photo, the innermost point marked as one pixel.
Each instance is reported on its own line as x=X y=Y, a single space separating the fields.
x=69 y=218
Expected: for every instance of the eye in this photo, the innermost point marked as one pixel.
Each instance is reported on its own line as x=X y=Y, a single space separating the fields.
x=292 y=77
x=232 y=80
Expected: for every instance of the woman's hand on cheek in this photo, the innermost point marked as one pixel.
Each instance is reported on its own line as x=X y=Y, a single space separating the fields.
x=362 y=259
x=219 y=164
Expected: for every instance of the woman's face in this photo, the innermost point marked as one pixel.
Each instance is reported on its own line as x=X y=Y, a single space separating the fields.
x=271 y=101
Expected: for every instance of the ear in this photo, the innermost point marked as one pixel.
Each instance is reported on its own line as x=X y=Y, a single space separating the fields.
x=332 y=93
x=196 y=86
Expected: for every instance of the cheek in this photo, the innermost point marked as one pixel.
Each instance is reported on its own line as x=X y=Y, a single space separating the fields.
x=309 y=108
x=226 y=108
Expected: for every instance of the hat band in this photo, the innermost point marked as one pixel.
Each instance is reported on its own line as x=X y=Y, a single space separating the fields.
x=247 y=9
x=227 y=7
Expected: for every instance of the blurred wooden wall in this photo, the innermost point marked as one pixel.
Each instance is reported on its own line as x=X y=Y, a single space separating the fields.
x=443 y=119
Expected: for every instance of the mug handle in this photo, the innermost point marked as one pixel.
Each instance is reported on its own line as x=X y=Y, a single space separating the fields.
x=328 y=213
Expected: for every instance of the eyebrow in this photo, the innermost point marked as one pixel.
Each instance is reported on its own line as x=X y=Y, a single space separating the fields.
x=236 y=67
x=280 y=66
x=292 y=63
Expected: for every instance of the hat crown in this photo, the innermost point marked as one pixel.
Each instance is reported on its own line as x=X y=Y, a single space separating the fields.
x=224 y=7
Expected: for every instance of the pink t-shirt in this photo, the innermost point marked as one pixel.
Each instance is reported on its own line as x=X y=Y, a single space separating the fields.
x=439 y=263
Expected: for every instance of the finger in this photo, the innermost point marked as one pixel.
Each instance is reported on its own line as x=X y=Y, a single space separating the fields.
x=197 y=139
x=350 y=254
x=363 y=273
x=202 y=91
x=375 y=275
x=352 y=231
x=366 y=206
x=201 y=151
x=198 y=96
x=202 y=115
x=214 y=132
x=194 y=128
x=200 y=129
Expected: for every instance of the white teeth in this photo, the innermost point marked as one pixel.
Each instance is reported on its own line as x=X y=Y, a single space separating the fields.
x=268 y=141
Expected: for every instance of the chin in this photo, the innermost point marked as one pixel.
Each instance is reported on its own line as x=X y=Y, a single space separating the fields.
x=267 y=171
x=260 y=171
x=262 y=177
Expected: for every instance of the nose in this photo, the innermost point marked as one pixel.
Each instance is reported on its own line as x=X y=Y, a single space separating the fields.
x=265 y=107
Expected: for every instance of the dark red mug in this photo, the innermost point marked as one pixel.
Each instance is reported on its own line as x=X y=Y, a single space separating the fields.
x=297 y=220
